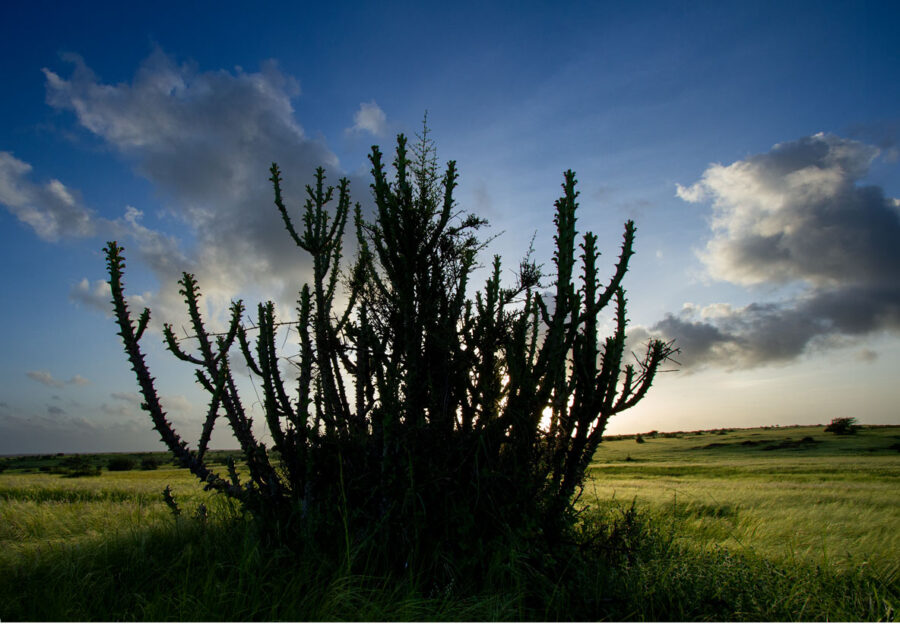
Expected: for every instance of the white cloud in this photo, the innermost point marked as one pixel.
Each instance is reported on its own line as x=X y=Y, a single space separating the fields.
x=369 y=118
x=796 y=214
x=53 y=211
x=127 y=397
x=693 y=193
x=43 y=377
x=95 y=295
x=205 y=140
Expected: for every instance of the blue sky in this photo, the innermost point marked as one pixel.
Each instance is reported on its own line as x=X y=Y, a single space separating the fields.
x=754 y=144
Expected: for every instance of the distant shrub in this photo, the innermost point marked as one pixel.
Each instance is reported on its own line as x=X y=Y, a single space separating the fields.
x=639 y=439
x=120 y=464
x=86 y=471
x=3 y=466
x=843 y=426
x=78 y=466
x=149 y=463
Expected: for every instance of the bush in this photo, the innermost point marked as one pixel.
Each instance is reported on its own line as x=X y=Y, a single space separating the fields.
x=843 y=426
x=414 y=432
x=120 y=464
x=149 y=463
x=78 y=466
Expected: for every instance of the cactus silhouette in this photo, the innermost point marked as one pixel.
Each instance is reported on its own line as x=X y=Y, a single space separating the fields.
x=421 y=420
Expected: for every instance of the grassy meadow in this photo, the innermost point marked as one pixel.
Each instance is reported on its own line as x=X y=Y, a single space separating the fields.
x=756 y=524
x=789 y=494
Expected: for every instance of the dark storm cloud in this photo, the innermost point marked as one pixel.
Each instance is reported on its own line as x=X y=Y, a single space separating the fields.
x=796 y=214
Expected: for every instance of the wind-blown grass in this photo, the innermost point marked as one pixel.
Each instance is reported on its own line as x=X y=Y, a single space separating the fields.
x=832 y=503
x=714 y=538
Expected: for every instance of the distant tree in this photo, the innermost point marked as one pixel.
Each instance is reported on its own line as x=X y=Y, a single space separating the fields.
x=79 y=466
x=149 y=463
x=415 y=426
x=843 y=426
x=120 y=464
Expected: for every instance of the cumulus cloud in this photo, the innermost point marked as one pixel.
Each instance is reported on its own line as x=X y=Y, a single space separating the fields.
x=205 y=140
x=794 y=215
x=127 y=397
x=797 y=213
x=45 y=378
x=369 y=118
x=92 y=294
x=52 y=210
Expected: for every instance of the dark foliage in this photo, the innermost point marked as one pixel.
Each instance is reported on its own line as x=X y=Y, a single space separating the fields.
x=842 y=426
x=149 y=463
x=79 y=466
x=120 y=464
x=425 y=428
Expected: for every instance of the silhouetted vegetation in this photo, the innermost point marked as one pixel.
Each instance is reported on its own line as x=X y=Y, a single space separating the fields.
x=120 y=464
x=414 y=433
x=843 y=426
x=78 y=466
x=149 y=463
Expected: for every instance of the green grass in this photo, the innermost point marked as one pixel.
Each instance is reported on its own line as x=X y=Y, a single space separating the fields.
x=721 y=530
x=832 y=501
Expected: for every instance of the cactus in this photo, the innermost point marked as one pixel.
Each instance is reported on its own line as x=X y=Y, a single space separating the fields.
x=416 y=422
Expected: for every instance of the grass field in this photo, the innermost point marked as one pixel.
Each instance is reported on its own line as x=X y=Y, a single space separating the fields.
x=761 y=524
x=788 y=494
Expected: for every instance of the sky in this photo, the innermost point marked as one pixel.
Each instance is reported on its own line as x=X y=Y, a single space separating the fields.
x=755 y=145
